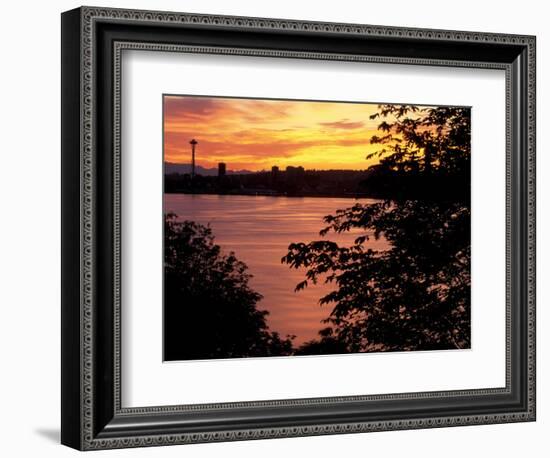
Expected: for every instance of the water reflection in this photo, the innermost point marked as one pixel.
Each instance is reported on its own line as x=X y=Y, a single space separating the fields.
x=259 y=229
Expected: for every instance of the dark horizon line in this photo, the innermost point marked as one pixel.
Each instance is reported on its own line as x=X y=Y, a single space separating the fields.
x=281 y=169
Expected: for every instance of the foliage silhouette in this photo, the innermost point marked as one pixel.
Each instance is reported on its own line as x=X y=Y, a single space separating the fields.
x=415 y=295
x=209 y=308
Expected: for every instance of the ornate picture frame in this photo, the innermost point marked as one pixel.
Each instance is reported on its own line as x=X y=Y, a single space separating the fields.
x=93 y=416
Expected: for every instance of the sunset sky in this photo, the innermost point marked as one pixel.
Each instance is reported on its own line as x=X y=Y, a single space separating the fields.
x=258 y=134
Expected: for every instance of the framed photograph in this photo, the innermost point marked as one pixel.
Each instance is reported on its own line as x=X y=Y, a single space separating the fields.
x=277 y=228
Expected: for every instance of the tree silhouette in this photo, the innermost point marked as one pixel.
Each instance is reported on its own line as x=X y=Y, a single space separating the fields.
x=209 y=308
x=415 y=295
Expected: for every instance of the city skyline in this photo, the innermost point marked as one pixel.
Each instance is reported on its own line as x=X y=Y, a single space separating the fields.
x=254 y=135
x=228 y=169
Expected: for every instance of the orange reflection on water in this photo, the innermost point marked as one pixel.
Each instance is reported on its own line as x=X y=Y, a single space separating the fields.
x=259 y=229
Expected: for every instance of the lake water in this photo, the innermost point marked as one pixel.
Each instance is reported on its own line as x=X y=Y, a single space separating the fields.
x=259 y=229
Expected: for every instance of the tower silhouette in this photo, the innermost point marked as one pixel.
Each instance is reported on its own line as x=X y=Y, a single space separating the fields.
x=193 y=143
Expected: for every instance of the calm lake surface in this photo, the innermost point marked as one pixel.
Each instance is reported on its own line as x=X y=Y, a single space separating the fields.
x=259 y=229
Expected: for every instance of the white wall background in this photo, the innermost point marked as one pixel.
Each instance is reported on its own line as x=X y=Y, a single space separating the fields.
x=30 y=240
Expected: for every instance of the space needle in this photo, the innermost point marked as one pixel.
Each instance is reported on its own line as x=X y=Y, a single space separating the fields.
x=193 y=143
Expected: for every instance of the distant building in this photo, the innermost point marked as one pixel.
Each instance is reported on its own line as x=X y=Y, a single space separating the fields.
x=274 y=175
x=221 y=169
x=295 y=170
x=294 y=174
x=193 y=144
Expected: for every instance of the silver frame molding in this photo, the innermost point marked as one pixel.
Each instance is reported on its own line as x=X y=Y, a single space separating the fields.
x=93 y=40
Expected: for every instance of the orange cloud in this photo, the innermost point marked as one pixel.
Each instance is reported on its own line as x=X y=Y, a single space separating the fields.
x=343 y=124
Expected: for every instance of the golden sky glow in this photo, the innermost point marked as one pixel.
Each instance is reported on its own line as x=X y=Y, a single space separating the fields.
x=258 y=134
